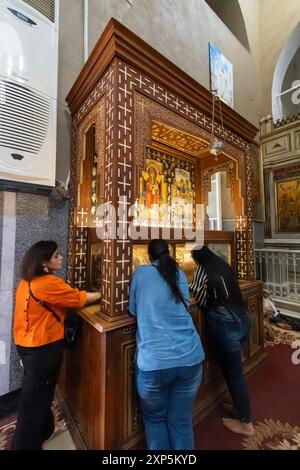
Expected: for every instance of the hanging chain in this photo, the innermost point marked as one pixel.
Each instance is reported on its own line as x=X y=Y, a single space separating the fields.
x=220 y=109
x=215 y=97
x=94 y=198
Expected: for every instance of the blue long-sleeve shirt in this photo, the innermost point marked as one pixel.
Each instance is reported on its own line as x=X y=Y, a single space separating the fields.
x=166 y=335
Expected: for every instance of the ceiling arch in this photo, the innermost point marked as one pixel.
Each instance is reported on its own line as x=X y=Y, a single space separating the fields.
x=230 y=13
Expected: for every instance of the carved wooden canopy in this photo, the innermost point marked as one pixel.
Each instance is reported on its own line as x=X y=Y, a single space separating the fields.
x=118 y=41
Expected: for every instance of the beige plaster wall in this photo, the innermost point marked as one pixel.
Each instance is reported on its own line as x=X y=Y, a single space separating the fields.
x=181 y=30
x=70 y=62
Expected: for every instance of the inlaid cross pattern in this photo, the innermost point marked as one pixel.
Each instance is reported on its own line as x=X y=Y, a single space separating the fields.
x=118 y=86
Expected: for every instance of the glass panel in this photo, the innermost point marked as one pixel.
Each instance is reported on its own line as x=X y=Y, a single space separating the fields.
x=185 y=261
x=220 y=209
x=140 y=255
x=166 y=191
x=95 y=266
x=221 y=249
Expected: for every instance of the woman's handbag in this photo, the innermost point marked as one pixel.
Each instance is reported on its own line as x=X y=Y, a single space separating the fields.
x=72 y=325
x=72 y=322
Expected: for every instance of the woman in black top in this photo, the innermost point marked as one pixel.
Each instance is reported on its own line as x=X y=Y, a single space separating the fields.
x=218 y=294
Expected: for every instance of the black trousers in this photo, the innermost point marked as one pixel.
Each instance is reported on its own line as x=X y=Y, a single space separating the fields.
x=35 y=421
x=227 y=332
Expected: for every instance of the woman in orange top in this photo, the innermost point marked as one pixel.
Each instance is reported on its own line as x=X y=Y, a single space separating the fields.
x=38 y=336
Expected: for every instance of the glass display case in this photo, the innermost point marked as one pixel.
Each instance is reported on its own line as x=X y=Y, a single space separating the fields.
x=221 y=243
x=140 y=254
x=221 y=249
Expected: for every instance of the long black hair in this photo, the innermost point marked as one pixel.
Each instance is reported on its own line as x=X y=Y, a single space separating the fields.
x=32 y=262
x=167 y=266
x=222 y=286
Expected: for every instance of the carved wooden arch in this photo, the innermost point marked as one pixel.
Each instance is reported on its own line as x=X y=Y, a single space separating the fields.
x=233 y=183
x=147 y=110
x=96 y=116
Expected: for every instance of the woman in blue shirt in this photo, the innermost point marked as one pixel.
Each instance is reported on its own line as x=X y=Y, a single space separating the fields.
x=169 y=350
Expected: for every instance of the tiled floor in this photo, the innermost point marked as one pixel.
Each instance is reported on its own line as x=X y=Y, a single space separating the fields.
x=61 y=437
x=63 y=441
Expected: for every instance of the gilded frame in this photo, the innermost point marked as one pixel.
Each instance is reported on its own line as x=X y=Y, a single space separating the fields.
x=287 y=205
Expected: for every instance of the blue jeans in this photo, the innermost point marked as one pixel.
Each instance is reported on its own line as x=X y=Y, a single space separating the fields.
x=227 y=330
x=167 y=400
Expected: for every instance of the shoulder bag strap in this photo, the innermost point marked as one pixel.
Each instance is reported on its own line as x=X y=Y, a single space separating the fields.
x=41 y=302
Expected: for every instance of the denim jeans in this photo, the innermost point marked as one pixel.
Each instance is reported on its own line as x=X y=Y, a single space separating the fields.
x=35 y=422
x=167 y=400
x=227 y=330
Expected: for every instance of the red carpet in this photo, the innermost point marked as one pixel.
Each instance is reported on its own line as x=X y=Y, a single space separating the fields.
x=275 y=397
x=274 y=392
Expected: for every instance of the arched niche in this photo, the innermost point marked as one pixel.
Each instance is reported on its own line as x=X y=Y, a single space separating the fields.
x=235 y=161
x=89 y=151
x=221 y=208
x=228 y=167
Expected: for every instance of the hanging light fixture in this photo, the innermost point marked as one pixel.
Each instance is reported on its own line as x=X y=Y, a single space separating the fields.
x=216 y=145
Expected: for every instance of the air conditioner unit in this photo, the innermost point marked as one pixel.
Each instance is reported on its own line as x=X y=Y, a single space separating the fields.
x=28 y=90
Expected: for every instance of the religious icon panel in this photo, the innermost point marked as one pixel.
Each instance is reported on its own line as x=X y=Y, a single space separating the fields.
x=166 y=191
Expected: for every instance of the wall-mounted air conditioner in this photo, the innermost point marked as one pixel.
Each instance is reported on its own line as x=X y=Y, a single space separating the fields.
x=28 y=90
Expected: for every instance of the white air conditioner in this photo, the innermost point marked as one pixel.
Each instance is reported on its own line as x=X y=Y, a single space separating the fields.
x=28 y=90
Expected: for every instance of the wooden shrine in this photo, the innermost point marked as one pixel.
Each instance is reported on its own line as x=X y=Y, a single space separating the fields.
x=141 y=135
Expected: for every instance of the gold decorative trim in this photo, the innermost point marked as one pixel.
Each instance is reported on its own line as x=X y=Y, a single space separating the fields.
x=232 y=179
x=273 y=435
x=147 y=110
